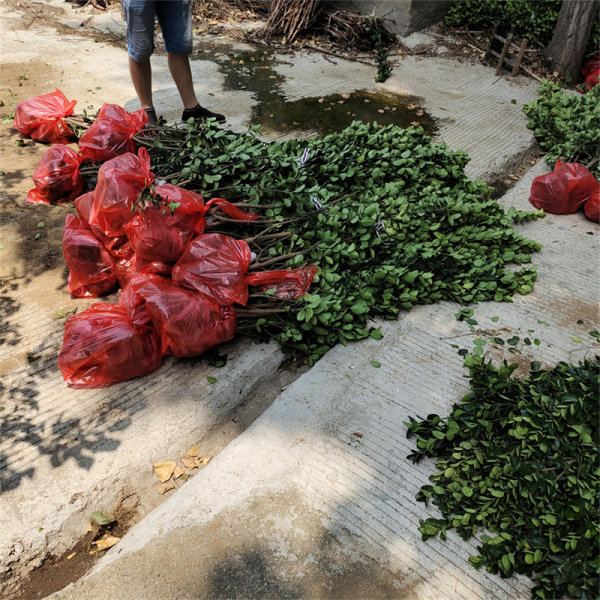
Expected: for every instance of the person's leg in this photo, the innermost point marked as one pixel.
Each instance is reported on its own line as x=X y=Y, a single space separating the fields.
x=139 y=15
x=175 y=20
x=179 y=65
x=141 y=77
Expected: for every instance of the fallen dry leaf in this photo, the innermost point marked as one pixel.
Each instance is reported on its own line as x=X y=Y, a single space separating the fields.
x=321 y=100
x=105 y=542
x=71 y=555
x=381 y=111
x=345 y=96
x=189 y=463
x=415 y=123
x=165 y=487
x=164 y=470
x=205 y=459
x=178 y=472
x=411 y=106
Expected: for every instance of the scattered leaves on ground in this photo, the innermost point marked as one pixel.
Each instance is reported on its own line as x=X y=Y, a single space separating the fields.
x=164 y=470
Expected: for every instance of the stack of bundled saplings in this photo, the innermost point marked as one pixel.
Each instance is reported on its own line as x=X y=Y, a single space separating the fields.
x=179 y=282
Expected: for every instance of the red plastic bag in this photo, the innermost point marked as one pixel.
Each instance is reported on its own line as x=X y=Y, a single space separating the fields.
x=158 y=236
x=592 y=208
x=102 y=346
x=215 y=265
x=57 y=177
x=138 y=289
x=289 y=285
x=188 y=323
x=118 y=247
x=120 y=182
x=42 y=118
x=231 y=210
x=591 y=71
x=111 y=134
x=91 y=267
x=563 y=191
x=125 y=269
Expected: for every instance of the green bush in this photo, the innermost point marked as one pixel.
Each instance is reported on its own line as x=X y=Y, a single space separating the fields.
x=566 y=125
x=533 y=19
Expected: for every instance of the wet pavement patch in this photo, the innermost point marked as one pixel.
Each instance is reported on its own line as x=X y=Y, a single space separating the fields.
x=254 y=71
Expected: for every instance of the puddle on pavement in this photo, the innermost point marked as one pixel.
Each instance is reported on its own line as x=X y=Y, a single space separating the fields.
x=254 y=71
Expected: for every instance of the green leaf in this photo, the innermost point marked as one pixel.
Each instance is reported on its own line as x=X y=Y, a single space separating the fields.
x=211 y=379
x=101 y=518
x=376 y=334
x=376 y=364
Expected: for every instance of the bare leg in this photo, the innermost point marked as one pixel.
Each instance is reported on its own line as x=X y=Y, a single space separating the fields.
x=179 y=65
x=141 y=77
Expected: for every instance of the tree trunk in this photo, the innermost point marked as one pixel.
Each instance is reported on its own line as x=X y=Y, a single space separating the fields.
x=571 y=34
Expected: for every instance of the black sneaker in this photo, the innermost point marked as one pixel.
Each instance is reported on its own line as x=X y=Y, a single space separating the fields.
x=152 y=119
x=199 y=113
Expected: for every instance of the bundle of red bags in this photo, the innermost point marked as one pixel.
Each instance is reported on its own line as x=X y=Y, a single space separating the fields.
x=91 y=267
x=188 y=324
x=43 y=118
x=158 y=235
x=57 y=177
x=564 y=190
x=179 y=283
x=102 y=345
x=120 y=182
x=111 y=134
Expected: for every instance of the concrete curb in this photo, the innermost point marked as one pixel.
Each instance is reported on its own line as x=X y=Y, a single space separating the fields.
x=103 y=442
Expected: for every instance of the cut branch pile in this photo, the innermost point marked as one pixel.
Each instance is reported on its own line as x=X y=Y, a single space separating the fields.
x=290 y=20
x=291 y=17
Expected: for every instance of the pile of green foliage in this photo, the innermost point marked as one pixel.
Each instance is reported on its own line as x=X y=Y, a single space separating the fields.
x=519 y=459
x=532 y=19
x=390 y=219
x=567 y=125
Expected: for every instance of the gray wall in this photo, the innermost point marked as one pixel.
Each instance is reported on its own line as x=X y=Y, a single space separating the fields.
x=402 y=16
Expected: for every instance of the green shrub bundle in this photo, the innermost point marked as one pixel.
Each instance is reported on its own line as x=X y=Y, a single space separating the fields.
x=518 y=458
x=389 y=218
x=567 y=125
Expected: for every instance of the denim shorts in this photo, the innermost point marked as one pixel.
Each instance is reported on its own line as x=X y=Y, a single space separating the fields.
x=175 y=21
